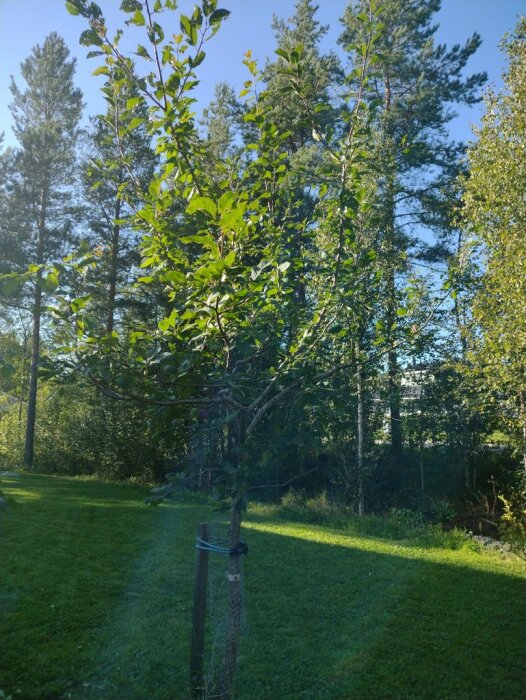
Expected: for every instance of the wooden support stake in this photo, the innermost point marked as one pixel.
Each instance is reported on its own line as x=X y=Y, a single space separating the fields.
x=199 y=617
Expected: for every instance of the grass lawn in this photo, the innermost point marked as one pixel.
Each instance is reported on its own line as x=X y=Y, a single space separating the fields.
x=96 y=591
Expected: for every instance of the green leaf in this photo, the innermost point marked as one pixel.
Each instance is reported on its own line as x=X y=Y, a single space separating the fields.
x=218 y=16
x=198 y=59
x=145 y=280
x=72 y=9
x=101 y=70
x=168 y=322
x=141 y=51
x=130 y=5
x=174 y=276
x=79 y=303
x=49 y=283
x=135 y=123
x=34 y=268
x=197 y=17
x=188 y=28
x=133 y=102
x=138 y=19
x=90 y=38
x=202 y=204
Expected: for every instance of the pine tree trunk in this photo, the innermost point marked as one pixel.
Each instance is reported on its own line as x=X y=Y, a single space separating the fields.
x=23 y=371
x=29 y=446
x=394 y=407
x=391 y=301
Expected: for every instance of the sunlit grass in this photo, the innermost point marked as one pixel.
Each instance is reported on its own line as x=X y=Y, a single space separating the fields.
x=96 y=591
x=467 y=556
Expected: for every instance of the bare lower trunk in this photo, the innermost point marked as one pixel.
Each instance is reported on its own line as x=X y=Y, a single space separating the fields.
x=225 y=682
x=235 y=612
x=394 y=408
x=522 y=398
x=23 y=377
x=391 y=252
x=29 y=446
x=359 y=435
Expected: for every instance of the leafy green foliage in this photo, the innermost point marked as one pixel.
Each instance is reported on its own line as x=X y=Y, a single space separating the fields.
x=221 y=246
x=494 y=216
x=513 y=524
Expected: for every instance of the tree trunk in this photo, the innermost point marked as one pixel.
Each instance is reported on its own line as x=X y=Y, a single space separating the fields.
x=522 y=398
x=393 y=388
x=225 y=682
x=360 y=430
x=29 y=446
x=114 y=259
x=23 y=377
x=394 y=407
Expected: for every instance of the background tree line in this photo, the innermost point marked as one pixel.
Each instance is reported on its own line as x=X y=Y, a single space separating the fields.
x=308 y=285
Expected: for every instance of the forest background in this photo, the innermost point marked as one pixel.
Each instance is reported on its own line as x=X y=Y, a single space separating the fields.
x=394 y=403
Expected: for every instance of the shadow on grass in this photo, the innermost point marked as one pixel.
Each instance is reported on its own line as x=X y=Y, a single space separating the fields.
x=337 y=620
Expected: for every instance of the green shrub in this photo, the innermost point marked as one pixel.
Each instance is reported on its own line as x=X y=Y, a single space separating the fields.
x=396 y=524
x=11 y=440
x=79 y=432
x=512 y=529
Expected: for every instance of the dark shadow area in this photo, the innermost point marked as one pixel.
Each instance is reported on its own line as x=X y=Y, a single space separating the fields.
x=329 y=622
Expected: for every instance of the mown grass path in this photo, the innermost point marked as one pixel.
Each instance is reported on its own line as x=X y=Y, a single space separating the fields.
x=96 y=590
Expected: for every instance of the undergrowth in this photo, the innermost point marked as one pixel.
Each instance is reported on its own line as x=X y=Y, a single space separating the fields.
x=396 y=524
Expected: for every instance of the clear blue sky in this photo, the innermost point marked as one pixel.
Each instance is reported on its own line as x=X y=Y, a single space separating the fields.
x=24 y=23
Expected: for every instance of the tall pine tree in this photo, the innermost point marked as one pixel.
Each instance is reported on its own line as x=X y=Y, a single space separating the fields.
x=412 y=87
x=46 y=116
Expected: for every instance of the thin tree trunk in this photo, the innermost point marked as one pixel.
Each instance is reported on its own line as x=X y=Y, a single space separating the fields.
x=522 y=398
x=466 y=418
x=391 y=302
x=225 y=682
x=235 y=612
x=114 y=259
x=394 y=407
x=29 y=446
x=421 y=441
x=360 y=430
x=23 y=377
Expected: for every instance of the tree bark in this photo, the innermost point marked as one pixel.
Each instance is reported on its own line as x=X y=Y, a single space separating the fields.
x=114 y=259
x=225 y=682
x=29 y=446
x=522 y=398
x=391 y=303
x=23 y=377
x=359 y=430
